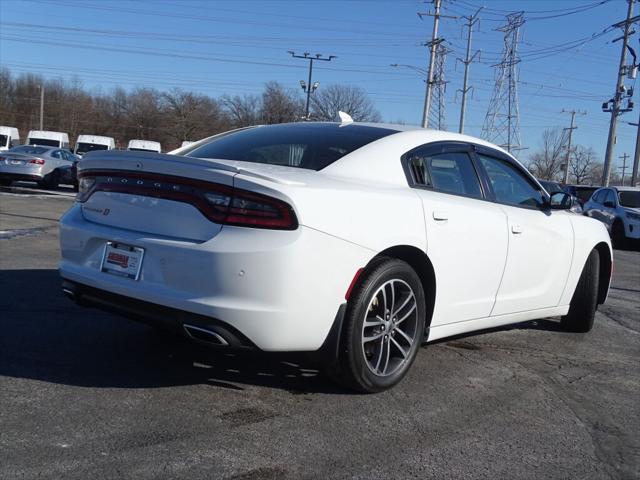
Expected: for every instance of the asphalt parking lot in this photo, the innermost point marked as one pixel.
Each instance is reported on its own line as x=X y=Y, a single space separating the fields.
x=84 y=394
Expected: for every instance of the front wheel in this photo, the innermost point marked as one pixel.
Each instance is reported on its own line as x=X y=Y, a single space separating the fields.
x=618 y=237
x=383 y=327
x=584 y=302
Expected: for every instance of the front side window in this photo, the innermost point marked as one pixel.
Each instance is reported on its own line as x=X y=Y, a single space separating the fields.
x=509 y=185
x=611 y=197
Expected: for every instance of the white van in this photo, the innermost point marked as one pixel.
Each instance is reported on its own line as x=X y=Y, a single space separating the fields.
x=144 y=146
x=49 y=139
x=89 y=143
x=9 y=137
x=186 y=143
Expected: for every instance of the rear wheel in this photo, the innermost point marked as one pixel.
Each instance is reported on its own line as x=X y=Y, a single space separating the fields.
x=585 y=298
x=383 y=328
x=50 y=181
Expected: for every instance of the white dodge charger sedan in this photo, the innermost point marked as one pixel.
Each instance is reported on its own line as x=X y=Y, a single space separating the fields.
x=360 y=241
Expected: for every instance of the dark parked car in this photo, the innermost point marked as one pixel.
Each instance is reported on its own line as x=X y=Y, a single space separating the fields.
x=582 y=192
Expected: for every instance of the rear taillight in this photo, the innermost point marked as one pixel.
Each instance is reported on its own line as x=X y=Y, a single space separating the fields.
x=37 y=161
x=219 y=203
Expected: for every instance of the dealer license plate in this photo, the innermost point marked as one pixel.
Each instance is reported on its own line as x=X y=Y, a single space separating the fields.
x=122 y=260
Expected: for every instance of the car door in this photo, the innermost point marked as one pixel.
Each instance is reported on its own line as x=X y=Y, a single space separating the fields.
x=466 y=235
x=540 y=240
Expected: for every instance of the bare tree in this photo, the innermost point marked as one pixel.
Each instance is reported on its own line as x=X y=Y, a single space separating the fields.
x=280 y=105
x=190 y=116
x=584 y=166
x=242 y=111
x=546 y=163
x=328 y=101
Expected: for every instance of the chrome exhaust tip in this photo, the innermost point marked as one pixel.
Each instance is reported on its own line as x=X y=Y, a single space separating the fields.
x=205 y=335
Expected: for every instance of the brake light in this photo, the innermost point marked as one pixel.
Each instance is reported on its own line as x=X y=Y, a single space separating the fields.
x=219 y=203
x=37 y=161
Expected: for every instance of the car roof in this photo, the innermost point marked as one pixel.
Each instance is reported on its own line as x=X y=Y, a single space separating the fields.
x=626 y=189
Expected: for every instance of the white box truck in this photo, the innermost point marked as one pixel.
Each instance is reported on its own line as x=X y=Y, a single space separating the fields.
x=49 y=139
x=9 y=137
x=144 y=146
x=90 y=143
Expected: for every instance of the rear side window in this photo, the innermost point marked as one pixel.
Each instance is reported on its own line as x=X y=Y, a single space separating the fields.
x=311 y=146
x=451 y=172
x=509 y=185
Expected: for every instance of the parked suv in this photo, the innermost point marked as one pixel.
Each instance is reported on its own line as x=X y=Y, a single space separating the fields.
x=619 y=209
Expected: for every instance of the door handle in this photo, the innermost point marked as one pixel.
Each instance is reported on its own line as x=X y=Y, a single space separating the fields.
x=440 y=216
x=516 y=229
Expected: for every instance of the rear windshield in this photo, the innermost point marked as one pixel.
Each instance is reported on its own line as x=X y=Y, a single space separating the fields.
x=29 y=150
x=3 y=140
x=44 y=141
x=303 y=145
x=584 y=193
x=141 y=150
x=630 y=199
x=83 y=148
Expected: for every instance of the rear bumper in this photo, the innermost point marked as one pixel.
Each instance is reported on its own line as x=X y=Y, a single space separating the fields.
x=30 y=173
x=280 y=290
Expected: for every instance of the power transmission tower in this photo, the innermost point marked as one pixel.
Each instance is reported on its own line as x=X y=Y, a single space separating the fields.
x=614 y=105
x=624 y=157
x=309 y=88
x=471 y=21
x=567 y=161
x=436 y=115
x=502 y=122
x=433 y=49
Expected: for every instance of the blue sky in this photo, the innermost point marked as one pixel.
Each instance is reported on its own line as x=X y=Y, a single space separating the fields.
x=217 y=47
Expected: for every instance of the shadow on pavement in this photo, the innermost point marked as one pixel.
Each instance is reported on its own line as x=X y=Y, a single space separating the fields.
x=44 y=336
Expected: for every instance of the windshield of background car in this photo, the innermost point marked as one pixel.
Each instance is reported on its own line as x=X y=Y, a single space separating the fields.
x=44 y=141
x=302 y=145
x=630 y=199
x=28 y=149
x=83 y=148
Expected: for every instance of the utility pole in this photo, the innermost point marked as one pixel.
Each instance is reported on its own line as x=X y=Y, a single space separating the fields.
x=567 y=161
x=636 y=155
x=624 y=165
x=471 y=21
x=613 y=105
x=42 y=107
x=309 y=88
x=433 y=47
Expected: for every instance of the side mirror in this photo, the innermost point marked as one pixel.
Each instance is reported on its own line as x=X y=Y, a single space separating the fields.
x=609 y=204
x=560 y=201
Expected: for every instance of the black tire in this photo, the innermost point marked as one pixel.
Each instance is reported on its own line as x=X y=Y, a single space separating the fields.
x=618 y=236
x=584 y=302
x=50 y=181
x=355 y=367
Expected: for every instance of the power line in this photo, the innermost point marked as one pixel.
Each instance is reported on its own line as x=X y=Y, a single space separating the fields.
x=309 y=88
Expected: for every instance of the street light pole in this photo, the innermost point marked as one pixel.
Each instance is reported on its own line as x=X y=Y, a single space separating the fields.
x=309 y=88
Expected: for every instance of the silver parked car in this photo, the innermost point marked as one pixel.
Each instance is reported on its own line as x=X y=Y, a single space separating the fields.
x=48 y=166
x=619 y=209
